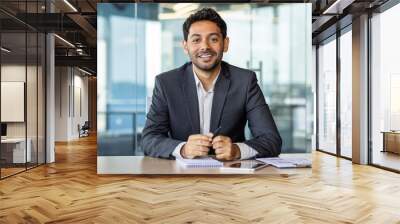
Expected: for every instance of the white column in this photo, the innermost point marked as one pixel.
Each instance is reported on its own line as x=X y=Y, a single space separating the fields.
x=360 y=90
x=50 y=99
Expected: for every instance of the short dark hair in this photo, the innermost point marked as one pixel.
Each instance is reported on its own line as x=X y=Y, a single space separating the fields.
x=204 y=14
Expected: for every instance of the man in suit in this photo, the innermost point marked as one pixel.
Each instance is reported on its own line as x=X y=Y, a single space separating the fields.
x=191 y=102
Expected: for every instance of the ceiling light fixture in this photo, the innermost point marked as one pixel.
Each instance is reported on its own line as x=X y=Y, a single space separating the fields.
x=70 y=5
x=64 y=40
x=5 y=50
x=337 y=7
x=84 y=71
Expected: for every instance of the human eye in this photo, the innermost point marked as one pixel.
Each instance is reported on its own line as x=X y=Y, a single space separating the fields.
x=214 y=39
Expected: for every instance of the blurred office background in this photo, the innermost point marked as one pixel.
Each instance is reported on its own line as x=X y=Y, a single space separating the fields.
x=136 y=42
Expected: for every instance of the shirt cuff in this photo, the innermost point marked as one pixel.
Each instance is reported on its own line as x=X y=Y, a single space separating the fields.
x=177 y=151
x=246 y=152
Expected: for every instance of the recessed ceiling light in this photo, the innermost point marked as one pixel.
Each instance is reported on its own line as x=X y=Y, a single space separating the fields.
x=5 y=50
x=70 y=5
x=64 y=40
x=84 y=71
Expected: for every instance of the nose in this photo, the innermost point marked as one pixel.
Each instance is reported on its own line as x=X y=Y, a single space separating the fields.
x=204 y=45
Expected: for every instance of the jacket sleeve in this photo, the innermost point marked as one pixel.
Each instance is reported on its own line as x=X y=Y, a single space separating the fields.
x=266 y=139
x=155 y=140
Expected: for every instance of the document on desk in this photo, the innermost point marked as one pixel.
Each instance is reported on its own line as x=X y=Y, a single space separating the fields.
x=286 y=162
x=204 y=162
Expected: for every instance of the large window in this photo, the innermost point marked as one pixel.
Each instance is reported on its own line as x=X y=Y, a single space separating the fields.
x=346 y=94
x=327 y=96
x=385 y=85
x=138 y=41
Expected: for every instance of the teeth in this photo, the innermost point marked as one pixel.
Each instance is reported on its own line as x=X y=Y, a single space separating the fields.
x=205 y=56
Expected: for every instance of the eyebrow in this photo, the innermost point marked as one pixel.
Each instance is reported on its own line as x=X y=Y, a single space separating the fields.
x=198 y=35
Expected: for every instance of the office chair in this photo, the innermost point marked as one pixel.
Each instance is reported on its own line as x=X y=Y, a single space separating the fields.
x=84 y=130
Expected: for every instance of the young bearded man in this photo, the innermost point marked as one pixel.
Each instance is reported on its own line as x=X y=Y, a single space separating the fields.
x=208 y=95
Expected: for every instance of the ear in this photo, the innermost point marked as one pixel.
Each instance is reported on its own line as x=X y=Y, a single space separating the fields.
x=185 y=48
x=226 y=44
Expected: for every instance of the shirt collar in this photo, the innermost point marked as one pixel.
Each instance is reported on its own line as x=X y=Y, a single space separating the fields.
x=200 y=85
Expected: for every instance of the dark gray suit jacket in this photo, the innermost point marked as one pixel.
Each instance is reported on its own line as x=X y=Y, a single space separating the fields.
x=174 y=112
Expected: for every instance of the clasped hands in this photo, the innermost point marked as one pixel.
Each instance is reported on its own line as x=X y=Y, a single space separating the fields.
x=199 y=145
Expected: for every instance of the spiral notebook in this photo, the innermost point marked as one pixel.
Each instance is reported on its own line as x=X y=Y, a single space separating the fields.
x=205 y=162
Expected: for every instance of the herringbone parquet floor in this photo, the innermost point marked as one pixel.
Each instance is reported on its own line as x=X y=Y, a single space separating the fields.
x=70 y=191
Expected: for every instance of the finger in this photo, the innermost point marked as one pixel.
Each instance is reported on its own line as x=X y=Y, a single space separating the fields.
x=218 y=145
x=200 y=137
x=191 y=137
x=204 y=143
x=201 y=153
x=203 y=149
x=220 y=151
x=220 y=156
x=219 y=138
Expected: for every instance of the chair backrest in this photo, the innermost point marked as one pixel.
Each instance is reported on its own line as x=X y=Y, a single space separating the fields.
x=86 y=125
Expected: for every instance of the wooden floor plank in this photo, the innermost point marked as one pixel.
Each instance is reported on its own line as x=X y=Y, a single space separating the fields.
x=70 y=191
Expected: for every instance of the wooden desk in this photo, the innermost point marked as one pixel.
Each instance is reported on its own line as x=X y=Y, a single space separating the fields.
x=149 y=165
x=15 y=147
x=391 y=141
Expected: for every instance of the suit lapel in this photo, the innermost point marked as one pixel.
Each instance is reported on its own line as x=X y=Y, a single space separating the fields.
x=220 y=92
x=192 y=102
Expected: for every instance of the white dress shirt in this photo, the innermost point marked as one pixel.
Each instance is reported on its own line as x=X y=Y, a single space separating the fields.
x=205 y=99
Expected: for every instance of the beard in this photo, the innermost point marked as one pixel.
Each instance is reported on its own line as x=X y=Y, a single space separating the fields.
x=207 y=65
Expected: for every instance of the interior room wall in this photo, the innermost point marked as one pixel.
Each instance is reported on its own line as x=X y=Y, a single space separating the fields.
x=19 y=73
x=71 y=102
x=61 y=103
x=80 y=109
x=16 y=72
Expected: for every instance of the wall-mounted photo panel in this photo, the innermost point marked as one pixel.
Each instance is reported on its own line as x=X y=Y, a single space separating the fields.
x=12 y=101
x=188 y=88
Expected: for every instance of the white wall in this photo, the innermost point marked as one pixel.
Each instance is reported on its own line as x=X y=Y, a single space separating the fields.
x=62 y=81
x=33 y=125
x=71 y=102
x=12 y=73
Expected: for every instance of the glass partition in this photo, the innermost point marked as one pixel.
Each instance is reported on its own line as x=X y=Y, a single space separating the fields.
x=13 y=108
x=22 y=91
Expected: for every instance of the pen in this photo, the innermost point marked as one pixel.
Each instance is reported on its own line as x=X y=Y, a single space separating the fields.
x=216 y=132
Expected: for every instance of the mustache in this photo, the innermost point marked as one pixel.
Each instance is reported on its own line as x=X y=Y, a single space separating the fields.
x=207 y=52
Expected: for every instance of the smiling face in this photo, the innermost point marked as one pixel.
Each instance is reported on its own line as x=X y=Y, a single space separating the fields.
x=205 y=45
